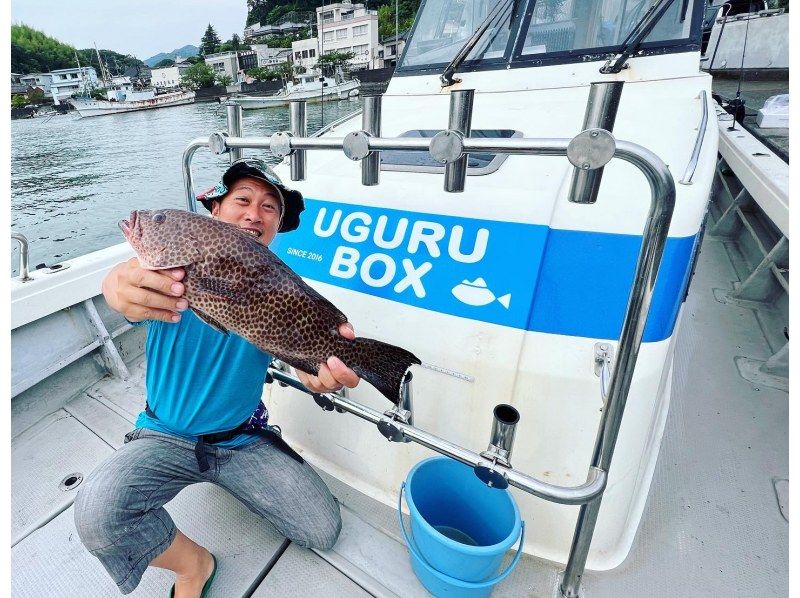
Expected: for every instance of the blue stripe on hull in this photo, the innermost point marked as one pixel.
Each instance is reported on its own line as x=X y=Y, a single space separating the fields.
x=524 y=276
x=585 y=281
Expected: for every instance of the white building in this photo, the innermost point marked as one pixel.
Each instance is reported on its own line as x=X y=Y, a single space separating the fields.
x=305 y=53
x=17 y=85
x=224 y=63
x=168 y=77
x=66 y=82
x=40 y=80
x=348 y=27
x=392 y=48
x=256 y=30
x=270 y=57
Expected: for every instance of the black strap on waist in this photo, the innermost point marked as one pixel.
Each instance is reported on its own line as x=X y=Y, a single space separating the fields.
x=206 y=439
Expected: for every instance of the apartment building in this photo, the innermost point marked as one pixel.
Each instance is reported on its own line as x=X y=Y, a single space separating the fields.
x=392 y=48
x=305 y=53
x=267 y=57
x=40 y=80
x=348 y=27
x=66 y=82
x=224 y=63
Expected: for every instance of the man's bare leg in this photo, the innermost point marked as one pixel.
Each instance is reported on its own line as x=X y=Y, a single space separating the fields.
x=191 y=563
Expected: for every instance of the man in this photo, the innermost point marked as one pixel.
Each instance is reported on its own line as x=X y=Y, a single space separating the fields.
x=204 y=420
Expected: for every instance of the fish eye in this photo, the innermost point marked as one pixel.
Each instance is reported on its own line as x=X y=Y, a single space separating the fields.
x=158 y=217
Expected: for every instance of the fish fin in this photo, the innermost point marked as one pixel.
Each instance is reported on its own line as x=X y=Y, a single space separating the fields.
x=210 y=321
x=505 y=300
x=381 y=364
x=220 y=288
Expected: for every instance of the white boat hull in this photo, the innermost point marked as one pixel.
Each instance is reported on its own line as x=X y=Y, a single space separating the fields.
x=101 y=107
x=340 y=92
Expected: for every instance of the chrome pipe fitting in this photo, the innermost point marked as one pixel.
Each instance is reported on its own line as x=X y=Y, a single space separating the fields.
x=402 y=413
x=504 y=427
x=601 y=112
x=371 y=123
x=501 y=442
x=455 y=173
x=299 y=125
x=234 y=112
x=23 y=256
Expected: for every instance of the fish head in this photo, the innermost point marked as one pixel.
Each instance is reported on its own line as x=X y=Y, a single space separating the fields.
x=165 y=238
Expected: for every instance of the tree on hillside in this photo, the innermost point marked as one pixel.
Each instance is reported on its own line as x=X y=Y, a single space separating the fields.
x=407 y=10
x=257 y=11
x=198 y=75
x=209 y=42
x=328 y=62
x=164 y=63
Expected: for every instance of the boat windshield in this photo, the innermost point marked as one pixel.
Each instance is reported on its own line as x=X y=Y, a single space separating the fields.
x=536 y=29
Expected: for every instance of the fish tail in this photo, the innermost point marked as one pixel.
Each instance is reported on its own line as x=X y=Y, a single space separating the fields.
x=505 y=300
x=381 y=364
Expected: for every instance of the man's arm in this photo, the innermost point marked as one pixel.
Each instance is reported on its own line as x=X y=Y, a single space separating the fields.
x=333 y=374
x=140 y=294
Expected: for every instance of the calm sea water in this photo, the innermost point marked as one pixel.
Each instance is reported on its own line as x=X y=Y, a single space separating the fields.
x=73 y=179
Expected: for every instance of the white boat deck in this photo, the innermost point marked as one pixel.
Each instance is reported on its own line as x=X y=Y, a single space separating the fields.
x=713 y=524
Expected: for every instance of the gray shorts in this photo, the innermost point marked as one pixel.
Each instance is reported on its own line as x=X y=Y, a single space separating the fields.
x=120 y=515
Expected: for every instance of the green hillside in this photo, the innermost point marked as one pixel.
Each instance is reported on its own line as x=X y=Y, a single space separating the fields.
x=34 y=52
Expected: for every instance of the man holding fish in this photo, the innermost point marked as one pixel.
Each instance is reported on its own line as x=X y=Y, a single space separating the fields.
x=204 y=420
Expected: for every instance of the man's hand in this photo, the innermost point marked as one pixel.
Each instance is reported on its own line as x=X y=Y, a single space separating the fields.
x=334 y=373
x=140 y=294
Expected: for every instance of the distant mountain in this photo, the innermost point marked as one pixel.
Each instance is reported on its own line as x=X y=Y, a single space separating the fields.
x=183 y=52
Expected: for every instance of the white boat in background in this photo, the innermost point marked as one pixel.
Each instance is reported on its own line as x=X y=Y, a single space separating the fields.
x=311 y=88
x=123 y=100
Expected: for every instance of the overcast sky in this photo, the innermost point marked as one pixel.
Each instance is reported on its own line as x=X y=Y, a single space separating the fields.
x=141 y=27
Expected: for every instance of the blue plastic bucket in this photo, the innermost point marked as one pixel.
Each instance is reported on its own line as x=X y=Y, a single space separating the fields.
x=460 y=528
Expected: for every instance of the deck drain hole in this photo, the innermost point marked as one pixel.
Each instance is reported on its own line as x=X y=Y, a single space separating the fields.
x=70 y=482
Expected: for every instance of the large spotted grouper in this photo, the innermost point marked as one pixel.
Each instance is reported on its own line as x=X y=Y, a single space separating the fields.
x=235 y=283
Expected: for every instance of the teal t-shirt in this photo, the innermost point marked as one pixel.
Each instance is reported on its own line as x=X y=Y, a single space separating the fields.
x=201 y=381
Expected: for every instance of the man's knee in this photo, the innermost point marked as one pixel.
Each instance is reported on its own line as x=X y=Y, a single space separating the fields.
x=325 y=529
x=104 y=509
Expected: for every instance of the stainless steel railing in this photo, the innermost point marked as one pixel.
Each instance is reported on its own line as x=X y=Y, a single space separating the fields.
x=688 y=174
x=590 y=150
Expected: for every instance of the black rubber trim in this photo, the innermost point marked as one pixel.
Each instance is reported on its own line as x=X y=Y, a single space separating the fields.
x=267 y=568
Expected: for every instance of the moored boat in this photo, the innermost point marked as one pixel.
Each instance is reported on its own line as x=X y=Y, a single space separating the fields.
x=308 y=88
x=129 y=101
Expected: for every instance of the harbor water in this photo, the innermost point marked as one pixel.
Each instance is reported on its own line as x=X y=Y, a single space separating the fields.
x=73 y=179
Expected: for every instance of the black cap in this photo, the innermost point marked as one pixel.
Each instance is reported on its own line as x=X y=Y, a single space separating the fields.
x=292 y=199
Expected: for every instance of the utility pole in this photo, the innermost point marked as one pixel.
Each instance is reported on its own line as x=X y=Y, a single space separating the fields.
x=396 y=31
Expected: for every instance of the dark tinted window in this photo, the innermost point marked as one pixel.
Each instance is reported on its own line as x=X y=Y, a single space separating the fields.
x=416 y=159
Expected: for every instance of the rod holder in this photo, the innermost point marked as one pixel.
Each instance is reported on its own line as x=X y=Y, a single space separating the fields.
x=460 y=121
x=501 y=442
x=371 y=124
x=402 y=413
x=299 y=125
x=23 y=256
x=234 y=113
x=601 y=113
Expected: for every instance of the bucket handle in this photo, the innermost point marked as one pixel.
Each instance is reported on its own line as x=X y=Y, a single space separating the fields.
x=468 y=584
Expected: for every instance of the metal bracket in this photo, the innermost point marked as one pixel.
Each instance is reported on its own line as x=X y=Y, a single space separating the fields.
x=492 y=475
x=218 y=143
x=603 y=360
x=389 y=430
